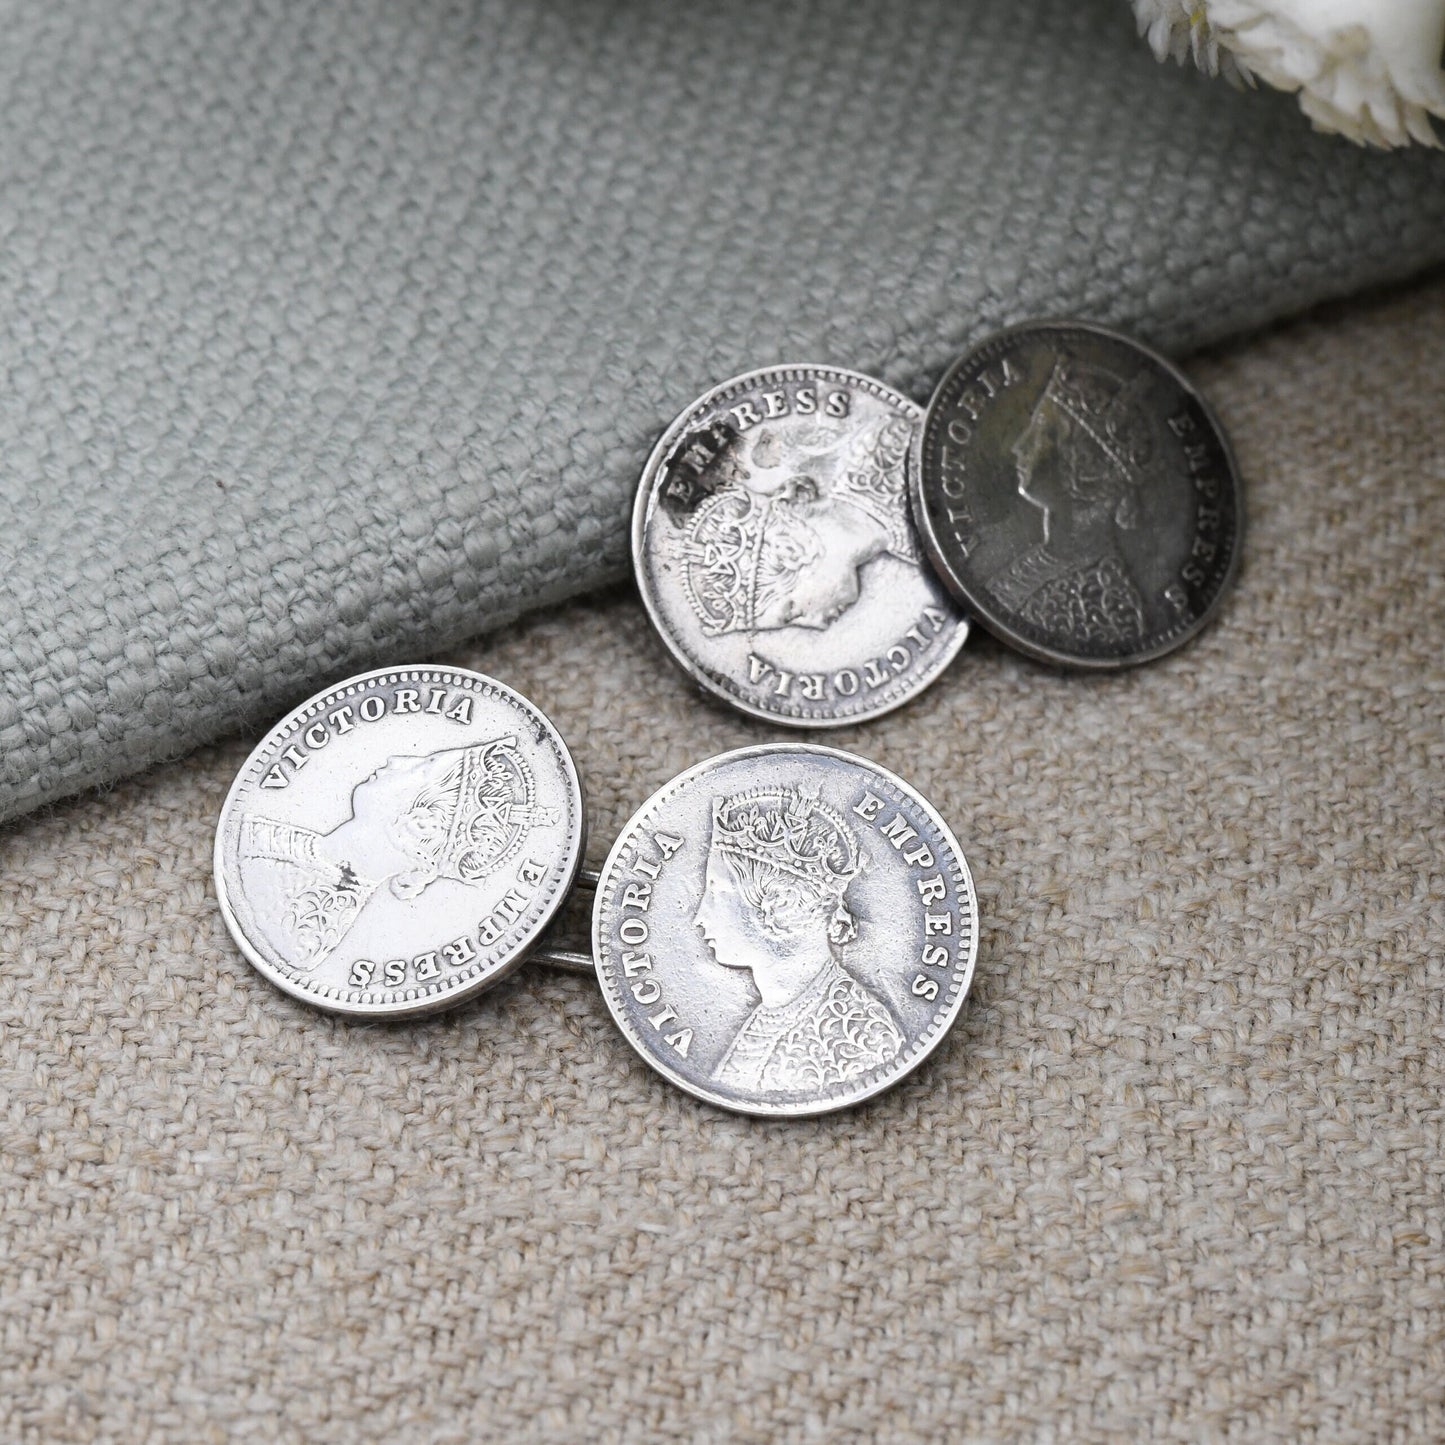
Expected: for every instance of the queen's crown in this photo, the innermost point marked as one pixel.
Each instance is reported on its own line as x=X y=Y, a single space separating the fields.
x=723 y=551
x=791 y=830
x=733 y=531
x=1106 y=409
x=475 y=811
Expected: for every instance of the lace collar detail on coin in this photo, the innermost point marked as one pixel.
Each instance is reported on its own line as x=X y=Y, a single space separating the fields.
x=397 y=843
x=1077 y=495
x=785 y=930
x=776 y=554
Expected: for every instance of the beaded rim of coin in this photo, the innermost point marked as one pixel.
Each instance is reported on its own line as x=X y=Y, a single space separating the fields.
x=953 y=985
x=897 y=667
x=493 y=761
x=925 y=471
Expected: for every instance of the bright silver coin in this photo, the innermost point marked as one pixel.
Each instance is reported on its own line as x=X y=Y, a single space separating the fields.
x=397 y=843
x=776 y=553
x=785 y=930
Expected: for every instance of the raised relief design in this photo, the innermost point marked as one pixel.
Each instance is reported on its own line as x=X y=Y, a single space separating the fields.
x=1081 y=460
x=801 y=512
x=458 y=814
x=779 y=866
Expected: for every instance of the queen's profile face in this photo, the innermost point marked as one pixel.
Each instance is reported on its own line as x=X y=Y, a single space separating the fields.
x=454 y=815
x=728 y=923
x=760 y=911
x=841 y=540
x=777 y=869
x=786 y=539
x=383 y=797
x=1038 y=462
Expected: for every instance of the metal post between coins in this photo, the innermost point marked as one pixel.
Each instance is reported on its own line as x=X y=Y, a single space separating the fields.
x=567 y=958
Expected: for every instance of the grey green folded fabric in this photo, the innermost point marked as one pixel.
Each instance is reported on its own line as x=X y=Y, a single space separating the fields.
x=332 y=334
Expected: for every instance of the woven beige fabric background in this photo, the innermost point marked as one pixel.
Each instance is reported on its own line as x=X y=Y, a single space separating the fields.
x=1177 y=1174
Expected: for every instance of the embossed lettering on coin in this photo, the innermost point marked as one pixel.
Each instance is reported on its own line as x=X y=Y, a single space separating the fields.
x=398 y=842
x=1077 y=495
x=785 y=930
x=776 y=554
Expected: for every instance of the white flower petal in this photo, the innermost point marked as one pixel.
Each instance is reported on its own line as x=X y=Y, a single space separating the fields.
x=1369 y=69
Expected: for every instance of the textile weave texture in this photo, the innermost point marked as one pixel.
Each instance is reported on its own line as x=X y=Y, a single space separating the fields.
x=1178 y=1173
x=329 y=333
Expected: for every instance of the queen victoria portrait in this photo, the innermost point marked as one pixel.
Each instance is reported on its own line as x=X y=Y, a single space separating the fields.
x=1080 y=461
x=801 y=513
x=456 y=815
x=779 y=866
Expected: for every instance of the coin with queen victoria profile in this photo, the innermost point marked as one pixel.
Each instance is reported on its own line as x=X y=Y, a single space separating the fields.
x=398 y=843
x=776 y=554
x=785 y=930
x=1077 y=495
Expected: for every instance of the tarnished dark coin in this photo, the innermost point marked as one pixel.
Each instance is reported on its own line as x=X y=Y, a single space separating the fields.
x=776 y=554
x=1077 y=495
x=785 y=930
x=399 y=842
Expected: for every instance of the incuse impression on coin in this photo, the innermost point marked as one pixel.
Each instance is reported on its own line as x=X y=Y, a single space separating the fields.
x=397 y=843
x=1077 y=495
x=776 y=554
x=785 y=930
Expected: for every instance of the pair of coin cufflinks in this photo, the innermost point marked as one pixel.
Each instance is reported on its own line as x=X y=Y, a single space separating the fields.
x=811 y=545
x=782 y=930
x=785 y=929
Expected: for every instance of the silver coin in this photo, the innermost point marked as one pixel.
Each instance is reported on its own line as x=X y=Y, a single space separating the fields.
x=397 y=843
x=1077 y=495
x=785 y=930
x=776 y=554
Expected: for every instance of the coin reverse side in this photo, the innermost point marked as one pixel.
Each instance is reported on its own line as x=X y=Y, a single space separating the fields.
x=776 y=553
x=785 y=930
x=397 y=843
x=1077 y=495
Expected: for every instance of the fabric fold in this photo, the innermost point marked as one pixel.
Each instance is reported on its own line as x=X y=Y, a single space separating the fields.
x=331 y=336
